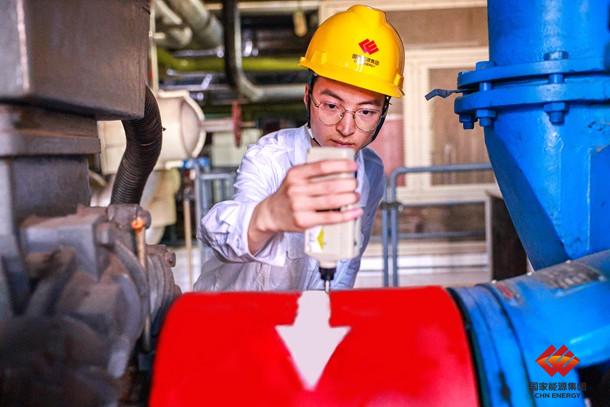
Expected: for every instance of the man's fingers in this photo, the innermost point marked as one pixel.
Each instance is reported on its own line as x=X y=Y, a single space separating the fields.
x=302 y=173
x=326 y=202
x=327 y=187
x=332 y=217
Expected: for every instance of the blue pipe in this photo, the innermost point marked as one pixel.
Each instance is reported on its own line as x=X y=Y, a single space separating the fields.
x=540 y=99
x=512 y=322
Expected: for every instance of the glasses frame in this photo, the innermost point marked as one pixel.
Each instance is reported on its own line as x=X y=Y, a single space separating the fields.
x=352 y=112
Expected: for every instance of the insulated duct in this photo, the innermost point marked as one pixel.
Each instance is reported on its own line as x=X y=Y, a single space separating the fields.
x=176 y=35
x=206 y=27
x=233 y=63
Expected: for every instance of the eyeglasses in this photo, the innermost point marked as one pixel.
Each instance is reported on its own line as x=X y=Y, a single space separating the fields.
x=330 y=113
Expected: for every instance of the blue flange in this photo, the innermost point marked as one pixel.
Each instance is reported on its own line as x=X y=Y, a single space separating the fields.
x=542 y=100
x=512 y=322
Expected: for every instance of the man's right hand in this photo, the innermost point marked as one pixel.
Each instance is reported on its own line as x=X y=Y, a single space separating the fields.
x=304 y=200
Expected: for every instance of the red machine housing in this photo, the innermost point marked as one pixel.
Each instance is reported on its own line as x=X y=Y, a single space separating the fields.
x=405 y=347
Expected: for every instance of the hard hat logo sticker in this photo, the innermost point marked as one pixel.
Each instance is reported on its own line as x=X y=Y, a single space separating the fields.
x=368 y=46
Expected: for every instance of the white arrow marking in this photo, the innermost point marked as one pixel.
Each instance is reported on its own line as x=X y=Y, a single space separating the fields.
x=310 y=340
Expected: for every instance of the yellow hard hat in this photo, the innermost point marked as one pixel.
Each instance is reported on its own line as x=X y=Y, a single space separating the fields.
x=358 y=47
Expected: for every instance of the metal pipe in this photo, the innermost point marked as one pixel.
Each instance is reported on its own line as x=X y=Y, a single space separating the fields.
x=433 y=169
x=195 y=165
x=441 y=235
x=138 y=225
x=272 y=7
x=384 y=238
x=205 y=26
x=394 y=208
x=211 y=176
x=443 y=203
x=394 y=242
x=214 y=64
x=176 y=34
x=234 y=68
x=188 y=240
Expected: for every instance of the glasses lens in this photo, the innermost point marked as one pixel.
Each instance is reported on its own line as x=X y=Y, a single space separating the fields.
x=330 y=113
x=367 y=119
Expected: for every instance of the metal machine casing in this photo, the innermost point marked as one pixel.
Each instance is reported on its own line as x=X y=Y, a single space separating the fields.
x=223 y=349
x=70 y=54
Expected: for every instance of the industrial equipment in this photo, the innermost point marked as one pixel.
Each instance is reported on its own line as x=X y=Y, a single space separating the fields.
x=534 y=340
x=82 y=296
x=542 y=99
x=183 y=139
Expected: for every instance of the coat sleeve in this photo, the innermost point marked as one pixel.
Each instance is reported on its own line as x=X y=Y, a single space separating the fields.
x=225 y=226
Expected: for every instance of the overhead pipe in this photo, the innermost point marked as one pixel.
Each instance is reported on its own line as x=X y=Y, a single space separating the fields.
x=176 y=34
x=214 y=64
x=205 y=26
x=233 y=63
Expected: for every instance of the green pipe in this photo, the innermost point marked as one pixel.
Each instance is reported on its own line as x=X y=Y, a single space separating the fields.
x=215 y=64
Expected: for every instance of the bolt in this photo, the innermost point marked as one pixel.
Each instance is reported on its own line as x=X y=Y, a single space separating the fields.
x=484 y=86
x=556 y=117
x=485 y=121
x=485 y=117
x=467 y=121
x=556 y=78
x=556 y=111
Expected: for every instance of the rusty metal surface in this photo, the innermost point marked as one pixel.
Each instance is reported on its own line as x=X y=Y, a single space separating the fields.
x=87 y=57
x=78 y=332
x=28 y=130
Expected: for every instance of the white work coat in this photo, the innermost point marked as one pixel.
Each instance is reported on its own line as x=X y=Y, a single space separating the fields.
x=282 y=264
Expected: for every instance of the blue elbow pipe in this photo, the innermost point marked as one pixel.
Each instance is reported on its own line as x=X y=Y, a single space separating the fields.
x=542 y=100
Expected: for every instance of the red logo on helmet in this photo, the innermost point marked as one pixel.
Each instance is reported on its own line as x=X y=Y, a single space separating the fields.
x=368 y=46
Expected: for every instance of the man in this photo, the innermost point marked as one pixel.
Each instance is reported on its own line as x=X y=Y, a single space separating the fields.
x=356 y=60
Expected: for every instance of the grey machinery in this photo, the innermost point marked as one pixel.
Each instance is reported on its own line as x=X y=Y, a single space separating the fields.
x=81 y=295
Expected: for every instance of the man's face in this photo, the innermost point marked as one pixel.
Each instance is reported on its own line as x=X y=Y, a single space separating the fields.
x=330 y=98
